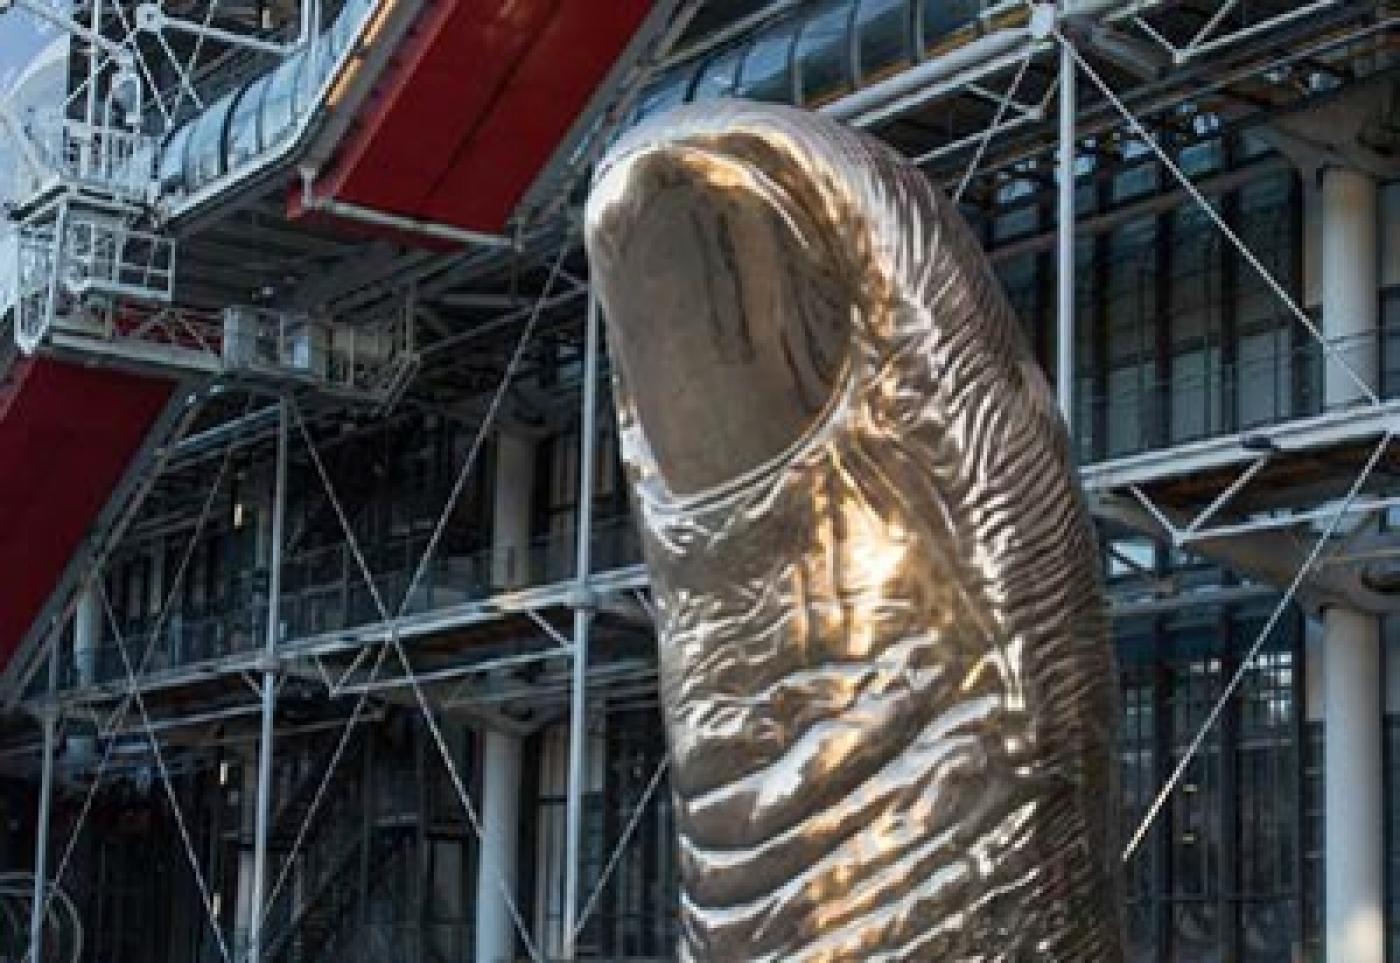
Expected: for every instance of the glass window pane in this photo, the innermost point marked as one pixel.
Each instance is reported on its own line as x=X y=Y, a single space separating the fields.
x=345 y=23
x=767 y=73
x=277 y=103
x=883 y=27
x=243 y=128
x=172 y=157
x=1021 y=282
x=1139 y=178
x=1390 y=345
x=720 y=76
x=307 y=82
x=824 y=52
x=1265 y=378
x=1207 y=152
x=205 y=155
x=1127 y=405
x=942 y=19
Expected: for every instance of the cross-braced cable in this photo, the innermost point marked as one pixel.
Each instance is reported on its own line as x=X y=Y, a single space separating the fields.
x=986 y=139
x=118 y=715
x=164 y=771
x=1247 y=662
x=622 y=841
x=392 y=621
x=1328 y=348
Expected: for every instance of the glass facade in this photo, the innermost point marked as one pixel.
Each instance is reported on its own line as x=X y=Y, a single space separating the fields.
x=884 y=29
x=816 y=53
x=1178 y=338
x=1221 y=874
x=235 y=129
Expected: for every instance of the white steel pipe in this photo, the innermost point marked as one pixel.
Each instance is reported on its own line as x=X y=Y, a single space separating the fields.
x=578 y=704
x=263 y=814
x=397 y=222
x=41 y=832
x=917 y=84
x=1064 y=343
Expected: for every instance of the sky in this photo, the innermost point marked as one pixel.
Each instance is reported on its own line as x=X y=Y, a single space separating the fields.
x=22 y=37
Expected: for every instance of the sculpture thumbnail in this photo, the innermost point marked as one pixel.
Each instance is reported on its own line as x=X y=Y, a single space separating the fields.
x=885 y=669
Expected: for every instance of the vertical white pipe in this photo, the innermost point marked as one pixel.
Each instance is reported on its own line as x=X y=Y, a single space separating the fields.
x=1350 y=283
x=500 y=805
x=269 y=691
x=41 y=833
x=1351 y=663
x=88 y=162
x=1064 y=341
x=87 y=628
x=578 y=715
x=1353 y=836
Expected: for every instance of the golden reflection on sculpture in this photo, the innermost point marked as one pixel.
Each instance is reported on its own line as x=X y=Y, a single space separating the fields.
x=885 y=671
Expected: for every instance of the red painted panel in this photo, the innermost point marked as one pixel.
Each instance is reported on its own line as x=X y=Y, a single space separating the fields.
x=539 y=103
x=475 y=104
x=440 y=83
x=67 y=433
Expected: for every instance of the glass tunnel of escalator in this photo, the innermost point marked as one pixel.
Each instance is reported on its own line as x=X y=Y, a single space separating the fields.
x=813 y=54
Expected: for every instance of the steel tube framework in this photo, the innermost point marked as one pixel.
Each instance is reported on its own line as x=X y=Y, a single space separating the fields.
x=269 y=690
x=582 y=591
x=583 y=614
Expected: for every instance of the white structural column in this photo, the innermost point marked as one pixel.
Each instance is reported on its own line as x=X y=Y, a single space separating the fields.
x=500 y=828
x=87 y=628
x=1353 y=849
x=243 y=905
x=514 y=485
x=1351 y=654
x=1350 y=279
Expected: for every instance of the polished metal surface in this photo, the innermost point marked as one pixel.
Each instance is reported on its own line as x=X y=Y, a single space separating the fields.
x=886 y=674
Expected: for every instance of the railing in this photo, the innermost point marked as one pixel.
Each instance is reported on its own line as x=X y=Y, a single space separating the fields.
x=110 y=159
x=187 y=329
x=74 y=255
x=324 y=592
x=1207 y=396
x=104 y=254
